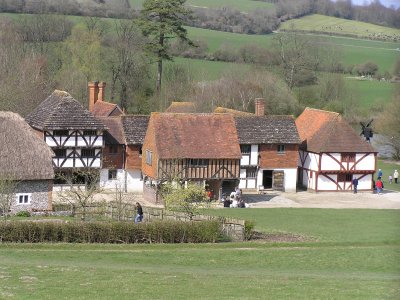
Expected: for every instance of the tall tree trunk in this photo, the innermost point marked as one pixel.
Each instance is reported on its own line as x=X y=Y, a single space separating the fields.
x=159 y=66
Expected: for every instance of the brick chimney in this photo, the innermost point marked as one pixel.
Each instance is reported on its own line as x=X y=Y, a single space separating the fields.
x=259 y=105
x=102 y=91
x=93 y=93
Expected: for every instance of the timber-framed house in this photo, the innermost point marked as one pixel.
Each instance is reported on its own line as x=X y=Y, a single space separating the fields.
x=72 y=132
x=332 y=154
x=200 y=148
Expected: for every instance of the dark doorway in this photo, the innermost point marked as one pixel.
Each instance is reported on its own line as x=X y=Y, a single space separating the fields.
x=267 y=179
x=228 y=186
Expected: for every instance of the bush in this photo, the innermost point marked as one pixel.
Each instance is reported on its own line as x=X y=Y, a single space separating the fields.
x=23 y=213
x=112 y=232
x=248 y=230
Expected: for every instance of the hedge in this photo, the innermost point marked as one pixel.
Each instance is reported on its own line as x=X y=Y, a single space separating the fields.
x=110 y=232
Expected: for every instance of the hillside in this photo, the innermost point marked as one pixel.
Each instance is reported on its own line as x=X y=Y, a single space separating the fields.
x=342 y=27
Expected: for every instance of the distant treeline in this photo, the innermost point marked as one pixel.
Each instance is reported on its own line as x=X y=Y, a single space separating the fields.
x=230 y=19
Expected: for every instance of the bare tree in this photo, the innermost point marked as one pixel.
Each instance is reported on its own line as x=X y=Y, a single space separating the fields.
x=8 y=187
x=123 y=203
x=83 y=187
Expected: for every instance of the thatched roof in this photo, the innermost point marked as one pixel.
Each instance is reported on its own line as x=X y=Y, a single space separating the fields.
x=23 y=155
x=181 y=107
x=224 y=110
x=61 y=111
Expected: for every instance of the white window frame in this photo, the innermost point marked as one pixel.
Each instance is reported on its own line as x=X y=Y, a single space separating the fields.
x=23 y=196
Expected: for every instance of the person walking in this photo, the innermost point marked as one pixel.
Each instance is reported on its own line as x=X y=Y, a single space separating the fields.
x=355 y=184
x=390 y=179
x=379 y=186
x=380 y=173
x=396 y=176
x=139 y=213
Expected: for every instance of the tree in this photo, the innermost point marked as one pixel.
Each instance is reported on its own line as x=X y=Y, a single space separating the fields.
x=187 y=199
x=388 y=124
x=8 y=188
x=83 y=187
x=160 y=21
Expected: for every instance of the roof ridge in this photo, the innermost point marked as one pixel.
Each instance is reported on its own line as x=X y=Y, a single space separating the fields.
x=322 y=110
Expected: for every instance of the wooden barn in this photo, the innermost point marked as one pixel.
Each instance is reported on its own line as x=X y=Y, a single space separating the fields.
x=332 y=154
x=27 y=160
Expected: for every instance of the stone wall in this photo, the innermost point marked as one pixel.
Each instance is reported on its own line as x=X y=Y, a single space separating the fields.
x=40 y=191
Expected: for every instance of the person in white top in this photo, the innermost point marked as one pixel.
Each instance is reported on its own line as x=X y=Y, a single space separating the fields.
x=396 y=176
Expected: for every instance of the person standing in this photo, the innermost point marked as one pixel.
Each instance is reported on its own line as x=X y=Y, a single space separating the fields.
x=380 y=173
x=396 y=176
x=355 y=184
x=139 y=213
x=379 y=186
x=390 y=179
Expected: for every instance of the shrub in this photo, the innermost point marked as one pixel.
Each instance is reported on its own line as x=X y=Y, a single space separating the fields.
x=23 y=213
x=111 y=232
x=248 y=230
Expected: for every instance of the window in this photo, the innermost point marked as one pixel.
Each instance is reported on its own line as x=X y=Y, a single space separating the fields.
x=113 y=149
x=23 y=198
x=195 y=163
x=149 y=157
x=245 y=149
x=281 y=148
x=140 y=151
x=112 y=174
x=89 y=132
x=60 y=132
x=348 y=157
x=345 y=177
x=88 y=152
x=251 y=173
x=60 y=152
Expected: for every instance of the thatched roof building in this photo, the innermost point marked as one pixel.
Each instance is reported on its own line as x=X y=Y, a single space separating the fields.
x=23 y=155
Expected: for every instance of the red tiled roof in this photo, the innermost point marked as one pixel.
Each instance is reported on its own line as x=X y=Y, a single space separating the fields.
x=115 y=133
x=208 y=136
x=181 y=107
x=325 y=131
x=104 y=109
x=235 y=112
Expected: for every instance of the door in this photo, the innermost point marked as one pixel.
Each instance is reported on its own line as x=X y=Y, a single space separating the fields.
x=267 y=179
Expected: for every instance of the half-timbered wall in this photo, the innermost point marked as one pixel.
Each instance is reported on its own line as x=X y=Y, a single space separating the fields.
x=215 y=169
x=74 y=159
x=249 y=158
x=75 y=138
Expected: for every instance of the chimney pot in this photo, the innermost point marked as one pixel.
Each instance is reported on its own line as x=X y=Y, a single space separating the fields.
x=102 y=91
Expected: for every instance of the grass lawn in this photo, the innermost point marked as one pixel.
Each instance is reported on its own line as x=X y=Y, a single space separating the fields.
x=355 y=257
x=242 y=5
x=388 y=168
x=338 y=26
x=372 y=93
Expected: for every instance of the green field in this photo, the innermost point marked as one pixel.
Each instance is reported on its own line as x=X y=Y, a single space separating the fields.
x=337 y=26
x=388 y=168
x=352 y=51
x=355 y=255
x=242 y=5
x=371 y=93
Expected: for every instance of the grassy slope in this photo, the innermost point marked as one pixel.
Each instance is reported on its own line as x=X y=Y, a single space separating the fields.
x=356 y=258
x=337 y=26
x=242 y=5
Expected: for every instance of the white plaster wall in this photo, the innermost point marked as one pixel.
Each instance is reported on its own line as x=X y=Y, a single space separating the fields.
x=326 y=184
x=367 y=163
x=242 y=184
x=259 y=178
x=251 y=183
x=111 y=184
x=254 y=155
x=312 y=161
x=290 y=180
x=134 y=181
x=328 y=163
x=364 y=183
x=50 y=142
x=245 y=160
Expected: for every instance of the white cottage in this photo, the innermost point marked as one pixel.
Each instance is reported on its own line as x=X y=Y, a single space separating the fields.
x=332 y=153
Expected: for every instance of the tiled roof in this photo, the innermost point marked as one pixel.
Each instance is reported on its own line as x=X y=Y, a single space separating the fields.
x=105 y=109
x=23 y=154
x=207 y=136
x=61 y=111
x=269 y=129
x=223 y=110
x=115 y=132
x=135 y=127
x=325 y=131
x=181 y=107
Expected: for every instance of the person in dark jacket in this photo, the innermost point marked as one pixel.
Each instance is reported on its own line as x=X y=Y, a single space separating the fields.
x=355 y=184
x=139 y=213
